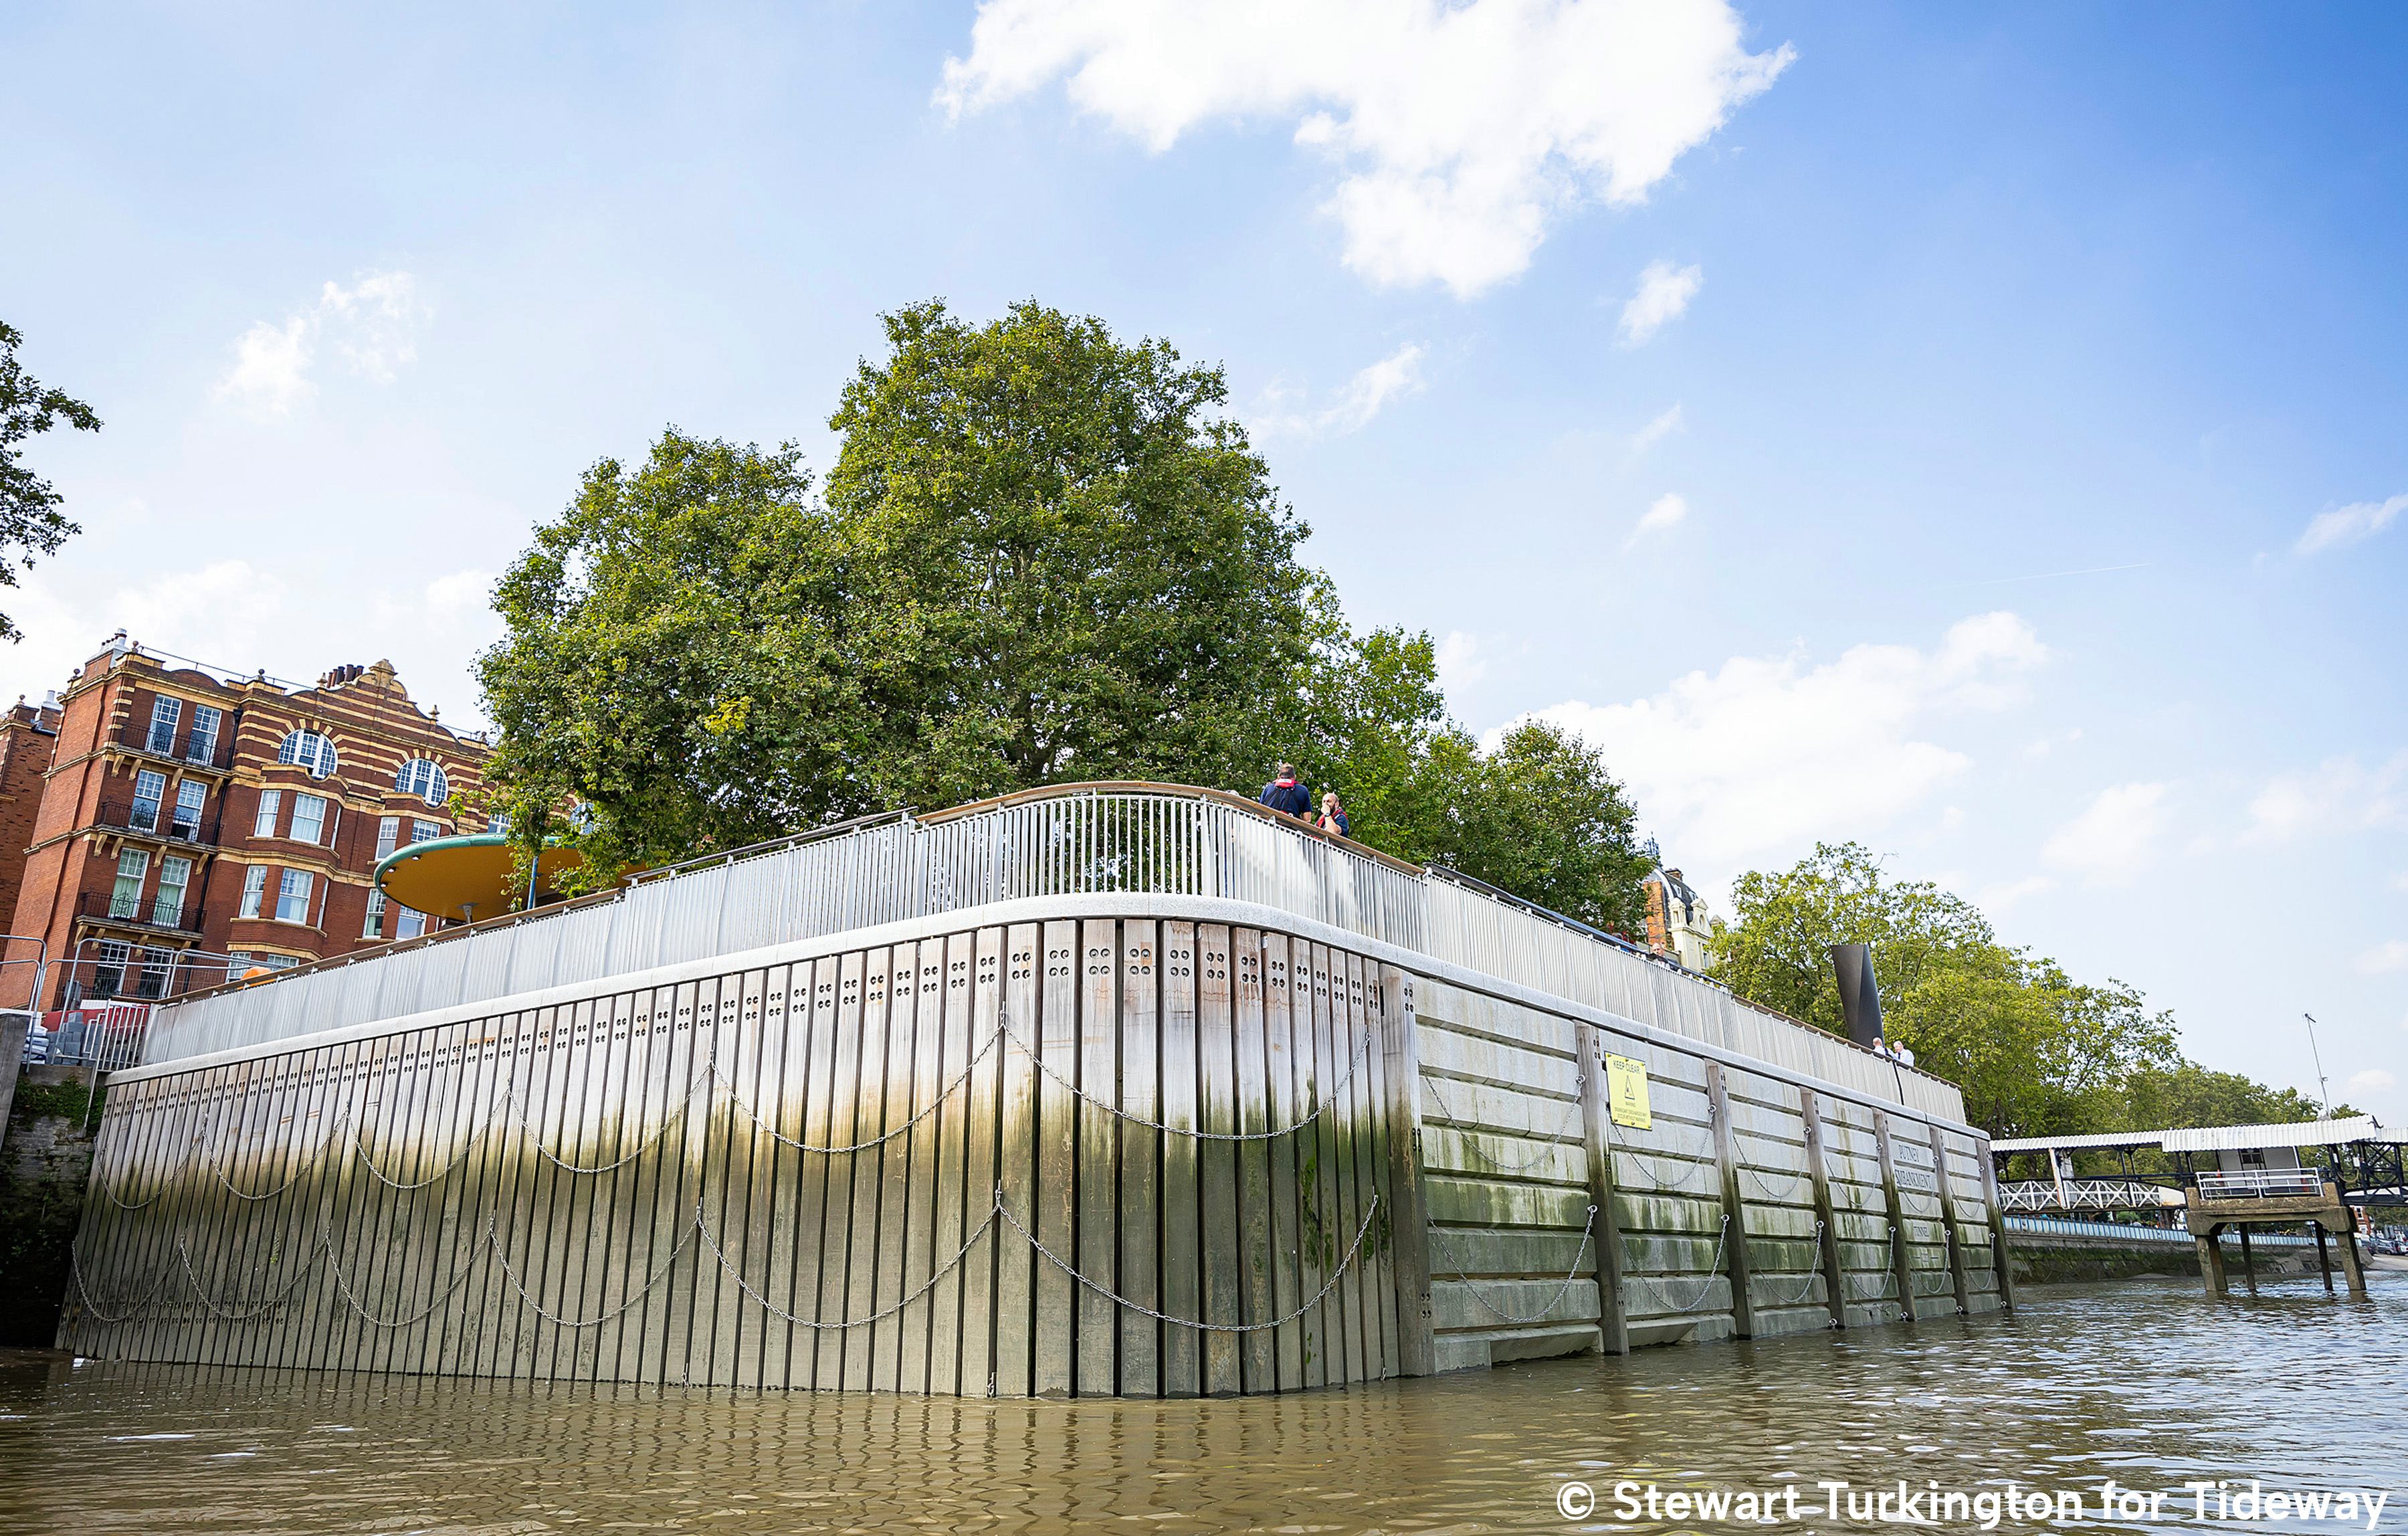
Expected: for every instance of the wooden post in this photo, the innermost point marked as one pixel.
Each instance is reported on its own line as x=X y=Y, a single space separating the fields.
x=1835 y=1279
x=1734 y=1200
x=1409 y=1221
x=2248 y=1265
x=2324 y=1260
x=2001 y=1266
x=1597 y=1109
x=1949 y=1219
x=1897 y=1218
x=2349 y=1261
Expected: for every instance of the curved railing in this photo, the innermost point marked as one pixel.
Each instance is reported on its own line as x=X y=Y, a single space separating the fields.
x=1072 y=840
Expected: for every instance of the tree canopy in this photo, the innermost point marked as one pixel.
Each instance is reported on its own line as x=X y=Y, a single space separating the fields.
x=1041 y=556
x=2036 y=1051
x=31 y=523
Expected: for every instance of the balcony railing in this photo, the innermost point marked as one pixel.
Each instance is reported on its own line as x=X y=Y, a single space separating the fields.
x=147 y=911
x=134 y=819
x=2260 y=1184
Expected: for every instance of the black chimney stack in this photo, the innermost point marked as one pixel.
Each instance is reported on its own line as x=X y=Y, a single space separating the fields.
x=1859 y=994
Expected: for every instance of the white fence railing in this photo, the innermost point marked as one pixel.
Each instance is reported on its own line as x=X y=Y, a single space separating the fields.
x=2086 y=1195
x=1077 y=839
x=2259 y=1183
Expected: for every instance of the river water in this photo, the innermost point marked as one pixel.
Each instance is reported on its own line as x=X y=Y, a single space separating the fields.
x=2144 y=1382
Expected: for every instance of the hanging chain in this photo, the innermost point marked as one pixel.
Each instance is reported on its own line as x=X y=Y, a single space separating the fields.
x=1705 y=1284
x=1049 y=1070
x=493 y=1239
x=1806 y=1288
x=1120 y=1300
x=1561 y=1291
x=775 y=1310
x=934 y=1105
x=1796 y=1177
x=184 y=1255
x=1546 y=1149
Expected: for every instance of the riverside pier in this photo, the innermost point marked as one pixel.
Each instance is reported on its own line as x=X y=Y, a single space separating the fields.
x=1111 y=1089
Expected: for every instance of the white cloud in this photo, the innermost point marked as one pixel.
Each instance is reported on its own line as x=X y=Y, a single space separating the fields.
x=1392 y=377
x=1664 y=291
x=2384 y=957
x=1460 y=660
x=372 y=326
x=2400 y=881
x=1664 y=513
x=1767 y=755
x=1461 y=130
x=2116 y=834
x=461 y=595
x=1996 y=899
x=2372 y=1080
x=2336 y=795
x=1656 y=431
x=2349 y=525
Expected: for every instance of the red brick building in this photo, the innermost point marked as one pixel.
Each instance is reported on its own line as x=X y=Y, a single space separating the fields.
x=185 y=816
x=27 y=734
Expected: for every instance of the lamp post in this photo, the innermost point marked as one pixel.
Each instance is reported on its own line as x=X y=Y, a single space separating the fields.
x=2323 y=1098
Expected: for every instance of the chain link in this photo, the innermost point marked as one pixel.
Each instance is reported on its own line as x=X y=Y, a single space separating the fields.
x=1807 y=1289
x=1047 y=1068
x=183 y=1254
x=1795 y=1178
x=1561 y=1291
x=775 y=1310
x=1712 y=1271
x=1120 y=1300
x=92 y=1302
x=934 y=1105
x=537 y=1307
x=1546 y=1150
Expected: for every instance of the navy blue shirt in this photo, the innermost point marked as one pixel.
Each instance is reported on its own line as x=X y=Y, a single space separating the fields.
x=1291 y=798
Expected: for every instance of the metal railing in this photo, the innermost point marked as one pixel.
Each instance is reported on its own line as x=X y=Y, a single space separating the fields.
x=109 y=1036
x=2259 y=1183
x=2086 y=1195
x=2048 y=1226
x=147 y=911
x=1075 y=839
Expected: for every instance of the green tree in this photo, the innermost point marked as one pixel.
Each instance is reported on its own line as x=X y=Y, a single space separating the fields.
x=1063 y=565
x=1541 y=817
x=676 y=660
x=31 y=523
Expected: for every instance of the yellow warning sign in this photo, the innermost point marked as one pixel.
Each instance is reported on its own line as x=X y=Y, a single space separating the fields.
x=1625 y=1086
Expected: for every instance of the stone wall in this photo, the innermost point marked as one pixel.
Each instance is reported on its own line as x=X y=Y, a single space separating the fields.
x=45 y=1163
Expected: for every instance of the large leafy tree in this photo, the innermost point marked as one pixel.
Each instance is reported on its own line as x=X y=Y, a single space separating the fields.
x=31 y=523
x=1064 y=565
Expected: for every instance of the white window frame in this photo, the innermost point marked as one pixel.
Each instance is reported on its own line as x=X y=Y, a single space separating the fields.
x=201 y=744
x=374 y=926
x=254 y=889
x=424 y=778
x=308 y=750
x=409 y=924
x=156 y=800
x=388 y=835
x=294 y=891
x=124 y=900
x=425 y=831
x=180 y=870
x=197 y=793
x=166 y=713
x=271 y=804
x=313 y=829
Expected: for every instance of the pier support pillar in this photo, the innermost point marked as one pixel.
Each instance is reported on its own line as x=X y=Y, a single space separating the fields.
x=1835 y=1279
x=2002 y=1268
x=1741 y=1268
x=2211 y=1261
x=1409 y=1222
x=2350 y=1266
x=2248 y=1264
x=2324 y=1259
x=1596 y=1109
x=1898 y=1255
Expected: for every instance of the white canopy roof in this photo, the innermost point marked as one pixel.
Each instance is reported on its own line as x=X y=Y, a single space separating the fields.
x=2305 y=1133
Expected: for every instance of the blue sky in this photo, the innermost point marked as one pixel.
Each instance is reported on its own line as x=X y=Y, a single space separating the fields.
x=1737 y=385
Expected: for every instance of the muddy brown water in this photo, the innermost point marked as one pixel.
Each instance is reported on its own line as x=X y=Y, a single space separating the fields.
x=2144 y=1382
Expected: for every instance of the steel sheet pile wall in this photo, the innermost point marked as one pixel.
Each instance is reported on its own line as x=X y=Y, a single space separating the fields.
x=845 y=1171
x=1074 y=842
x=1745 y=1205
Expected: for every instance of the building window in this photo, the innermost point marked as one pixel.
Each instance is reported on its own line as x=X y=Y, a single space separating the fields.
x=167 y=907
x=374 y=926
x=149 y=789
x=425 y=831
x=263 y=824
x=190 y=796
x=254 y=887
x=242 y=961
x=108 y=967
x=308 y=818
x=388 y=835
x=164 y=713
x=201 y=745
x=125 y=901
x=308 y=750
x=293 y=896
x=409 y=924
x=424 y=779
x=157 y=966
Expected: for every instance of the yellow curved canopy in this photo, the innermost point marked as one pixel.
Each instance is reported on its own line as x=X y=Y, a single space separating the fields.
x=448 y=877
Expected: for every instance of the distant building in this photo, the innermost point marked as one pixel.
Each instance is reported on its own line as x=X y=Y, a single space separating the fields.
x=1677 y=926
x=185 y=816
x=27 y=734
